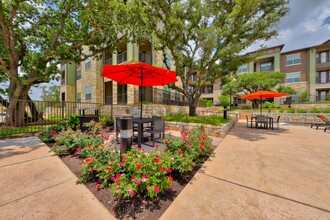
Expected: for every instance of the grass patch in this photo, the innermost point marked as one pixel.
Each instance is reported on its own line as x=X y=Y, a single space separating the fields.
x=12 y=131
x=207 y=120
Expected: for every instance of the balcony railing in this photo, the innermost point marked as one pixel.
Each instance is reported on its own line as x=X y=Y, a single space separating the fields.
x=145 y=58
x=108 y=61
x=267 y=68
x=122 y=57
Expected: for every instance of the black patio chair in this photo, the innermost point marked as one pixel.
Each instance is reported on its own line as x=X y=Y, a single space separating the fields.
x=249 y=121
x=157 y=128
x=262 y=122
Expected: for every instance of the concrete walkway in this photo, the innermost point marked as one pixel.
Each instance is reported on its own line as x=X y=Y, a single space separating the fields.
x=261 y=174
x=36 y=185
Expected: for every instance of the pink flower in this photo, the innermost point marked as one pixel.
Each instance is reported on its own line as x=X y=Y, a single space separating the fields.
x=144 y=178
x=162 y=169
x=168 y=170
x=117 y=190
x=166 y=149
x=121 y=163
x=92 y=169
x=89 y=160
x=156 y=146
x=156 y=189
x=180 y=151
x=117 y=181
x=79 y=149
x=170 y=178
x=189 y=146
x=112 y=178
x=183 y=133
x=118 y=175
x=110 y=169
x=172 y=158
x=148 y=187
x=138 y=165
x=133 y=177
x=98 y=186
x=131 y=192
x=137 y=182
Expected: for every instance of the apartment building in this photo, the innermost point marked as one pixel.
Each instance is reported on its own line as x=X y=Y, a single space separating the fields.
x=82 y=82
x=306 y=69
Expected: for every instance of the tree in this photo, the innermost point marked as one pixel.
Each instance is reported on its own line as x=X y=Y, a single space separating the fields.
x=253 y=82
x=208 y=37
x=287 y=90
x=37 y=35
x=304 y=96
x=50 y=94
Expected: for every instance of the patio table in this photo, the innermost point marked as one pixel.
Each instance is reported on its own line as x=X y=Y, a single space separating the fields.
x=139 y=122
x=270 y=121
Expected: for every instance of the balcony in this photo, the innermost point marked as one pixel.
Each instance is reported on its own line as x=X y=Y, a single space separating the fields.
x=145 y=58
x=322 y=65
x=108 y=61
x=122 y=57
x=267 y=68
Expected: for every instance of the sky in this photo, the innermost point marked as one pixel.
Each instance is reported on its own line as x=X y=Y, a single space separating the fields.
x=307 y=24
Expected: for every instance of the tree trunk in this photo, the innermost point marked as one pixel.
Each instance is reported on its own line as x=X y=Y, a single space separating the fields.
x=193 y=102
x=33 y=109
x=192 y=110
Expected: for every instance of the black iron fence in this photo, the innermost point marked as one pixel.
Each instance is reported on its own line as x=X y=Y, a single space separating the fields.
x=33 y=116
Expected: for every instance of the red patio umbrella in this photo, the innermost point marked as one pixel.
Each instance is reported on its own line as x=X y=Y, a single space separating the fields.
x=139 y=74
x=263 y=94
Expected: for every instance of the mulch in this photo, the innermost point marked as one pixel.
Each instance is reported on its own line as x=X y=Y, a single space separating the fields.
x=137 y=207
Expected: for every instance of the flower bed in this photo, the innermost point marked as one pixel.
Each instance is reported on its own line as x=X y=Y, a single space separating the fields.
x=146 y=176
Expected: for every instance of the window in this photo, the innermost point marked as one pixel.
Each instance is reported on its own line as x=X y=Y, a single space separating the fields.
x=78 y=72
x=166 y=93
x=293 y=77
x=323 y=57
x=88 y=63
x=78 y=97
x=266 y=66
x=193 y=77
x=167 y=61
x=322 y=77
x=177 y=96
x=63 y=77
x=88 y=93
x=191 y=89
x=207 y=89
x=293 y=59
x=242 y=69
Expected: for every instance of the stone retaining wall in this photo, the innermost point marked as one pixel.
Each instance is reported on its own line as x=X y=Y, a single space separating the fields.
x=302 y=118
x=215 y=131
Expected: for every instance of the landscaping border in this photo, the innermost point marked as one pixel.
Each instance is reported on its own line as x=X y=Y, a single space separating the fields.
x=215 y=131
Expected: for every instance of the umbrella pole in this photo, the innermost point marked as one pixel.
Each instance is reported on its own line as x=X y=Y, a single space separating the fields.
x=260 y=105
x=141 y=92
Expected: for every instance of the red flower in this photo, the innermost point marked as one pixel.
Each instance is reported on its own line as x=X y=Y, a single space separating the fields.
x=112 y=178
x=169 y=170
x=166 y=149
x=98 y=180
x=117 y=181
x=170 y=178
x=180 y=151
x=111 y=161
x=118 y=175
x=138 y=165
x=156 y=189
x=110 y=169
x=201 y=145
x=162 y=169
x=98 y=186
x=144 y=178
x=89 y=160
x=133 y=177
x=121 y=163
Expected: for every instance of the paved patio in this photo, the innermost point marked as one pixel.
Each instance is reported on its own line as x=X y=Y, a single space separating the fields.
x=261 y=174
x=36 y=185
x=254 y=174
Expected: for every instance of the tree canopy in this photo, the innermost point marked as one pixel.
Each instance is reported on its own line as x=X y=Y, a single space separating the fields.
x=209 y=36
x=252 y=82
x=37 y=35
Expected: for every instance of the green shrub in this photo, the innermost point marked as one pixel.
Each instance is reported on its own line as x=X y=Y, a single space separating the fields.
x=270 y=105
x=326 y=110
x=290 y=110
x=107 y=120
x=224 y=100
x=73 y=121
x=327 y=97
x=304 y=96
x=211 y=120
x=315 y=110
x=301 y=110
x=49 y=133
x=209 y=103
x=245 y=107
x=281 y=110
